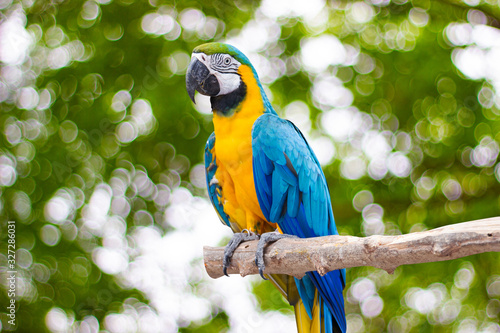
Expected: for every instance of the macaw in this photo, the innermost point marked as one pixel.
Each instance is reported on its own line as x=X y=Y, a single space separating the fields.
x=264 y=180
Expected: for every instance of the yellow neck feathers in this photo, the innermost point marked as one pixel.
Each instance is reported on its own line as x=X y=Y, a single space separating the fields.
x=233 y=150
x=246 y=113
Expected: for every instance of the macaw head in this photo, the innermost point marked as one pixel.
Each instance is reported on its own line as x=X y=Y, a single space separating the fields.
x=225 y=74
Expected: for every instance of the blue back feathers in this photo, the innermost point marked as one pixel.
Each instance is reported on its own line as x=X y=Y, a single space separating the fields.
x=293 y=192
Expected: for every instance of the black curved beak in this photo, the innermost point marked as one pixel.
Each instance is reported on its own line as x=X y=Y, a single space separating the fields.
x=198 y=78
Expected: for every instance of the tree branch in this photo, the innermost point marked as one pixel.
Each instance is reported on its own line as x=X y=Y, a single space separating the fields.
x=323 y=254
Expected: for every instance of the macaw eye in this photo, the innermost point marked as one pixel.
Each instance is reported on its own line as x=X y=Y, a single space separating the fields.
x=227 y=61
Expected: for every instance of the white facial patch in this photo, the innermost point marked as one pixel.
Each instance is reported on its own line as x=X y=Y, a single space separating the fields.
x=224 y=71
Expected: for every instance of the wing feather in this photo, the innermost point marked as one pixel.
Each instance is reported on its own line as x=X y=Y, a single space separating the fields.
x=292 y=191
x=214 y=189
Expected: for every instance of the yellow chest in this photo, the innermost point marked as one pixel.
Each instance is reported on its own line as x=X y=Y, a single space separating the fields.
x=233 y=151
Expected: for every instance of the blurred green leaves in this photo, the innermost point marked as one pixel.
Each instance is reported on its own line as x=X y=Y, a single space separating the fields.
x=101 y=148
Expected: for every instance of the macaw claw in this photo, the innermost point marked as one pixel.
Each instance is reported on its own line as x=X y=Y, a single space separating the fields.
x=266 y=238
x=235 y=241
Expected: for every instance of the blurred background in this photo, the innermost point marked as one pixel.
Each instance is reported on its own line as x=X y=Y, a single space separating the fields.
x=101 y=156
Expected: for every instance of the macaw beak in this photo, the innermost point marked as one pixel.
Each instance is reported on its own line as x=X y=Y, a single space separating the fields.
x=198 y=78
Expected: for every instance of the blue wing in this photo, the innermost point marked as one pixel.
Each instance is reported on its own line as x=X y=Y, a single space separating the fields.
x=293 y=192
x=214 y=189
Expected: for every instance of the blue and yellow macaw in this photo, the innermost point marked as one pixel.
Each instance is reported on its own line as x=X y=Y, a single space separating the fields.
x=263 y=178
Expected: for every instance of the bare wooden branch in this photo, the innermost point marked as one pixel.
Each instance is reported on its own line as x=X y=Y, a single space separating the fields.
x=323 y=254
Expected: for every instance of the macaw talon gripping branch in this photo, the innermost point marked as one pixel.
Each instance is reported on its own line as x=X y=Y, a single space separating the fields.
x=235 y=241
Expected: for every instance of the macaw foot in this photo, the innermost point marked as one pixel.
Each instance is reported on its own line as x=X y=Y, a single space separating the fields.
x=266 y=238
x=235 y=241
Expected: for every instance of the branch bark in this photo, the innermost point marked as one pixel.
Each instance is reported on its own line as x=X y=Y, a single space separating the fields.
x=323 y=254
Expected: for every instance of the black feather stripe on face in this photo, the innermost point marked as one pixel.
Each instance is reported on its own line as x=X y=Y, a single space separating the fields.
x=226 y=105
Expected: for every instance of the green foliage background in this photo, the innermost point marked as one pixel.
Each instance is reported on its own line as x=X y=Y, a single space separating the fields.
x=95 y=107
